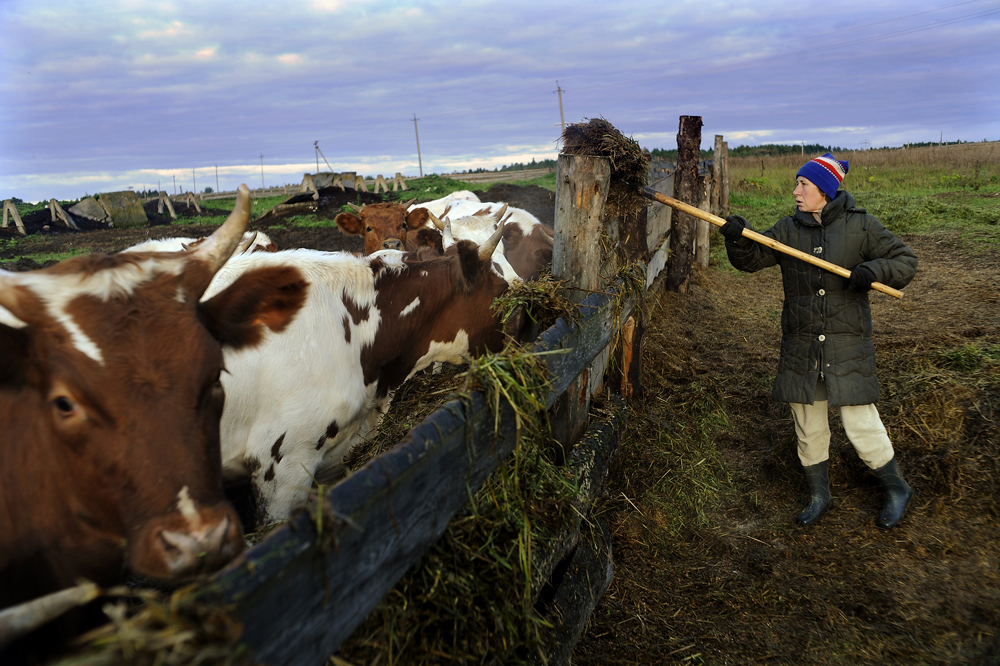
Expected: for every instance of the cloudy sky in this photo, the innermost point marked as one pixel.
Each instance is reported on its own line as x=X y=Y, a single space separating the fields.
x=102 y=95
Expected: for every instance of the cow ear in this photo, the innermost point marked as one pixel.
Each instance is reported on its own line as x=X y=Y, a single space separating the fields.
x=266 y=297
x=417 y=218
x=349 y=223
x=13 y=356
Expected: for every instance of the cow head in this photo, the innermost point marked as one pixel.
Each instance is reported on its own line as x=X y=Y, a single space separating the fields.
x=384 y=226
x=110 y=403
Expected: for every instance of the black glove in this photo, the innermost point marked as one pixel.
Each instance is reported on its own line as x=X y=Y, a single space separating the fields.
x=734 y=226
x=861 y=278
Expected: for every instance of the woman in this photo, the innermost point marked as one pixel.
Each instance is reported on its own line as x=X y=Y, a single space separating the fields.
x=827 y=354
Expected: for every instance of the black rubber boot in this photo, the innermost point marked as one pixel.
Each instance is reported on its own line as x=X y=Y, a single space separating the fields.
x=818 y=477
x=897 y=494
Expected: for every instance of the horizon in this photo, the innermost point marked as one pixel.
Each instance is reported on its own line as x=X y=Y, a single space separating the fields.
x=104 y=96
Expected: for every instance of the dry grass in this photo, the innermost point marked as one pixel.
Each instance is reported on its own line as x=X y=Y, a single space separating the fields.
x=629 y=163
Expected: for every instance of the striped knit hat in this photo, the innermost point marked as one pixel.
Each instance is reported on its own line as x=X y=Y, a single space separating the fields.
x=826 y=173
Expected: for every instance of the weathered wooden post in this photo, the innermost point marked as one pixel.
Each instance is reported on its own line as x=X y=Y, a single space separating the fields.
x=716 y=176
x=724 y=196
x=686 y=189
x=581 y=189
x=702 y=228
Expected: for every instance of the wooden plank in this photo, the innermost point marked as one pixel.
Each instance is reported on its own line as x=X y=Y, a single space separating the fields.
x=299 y=599
x=577 y=592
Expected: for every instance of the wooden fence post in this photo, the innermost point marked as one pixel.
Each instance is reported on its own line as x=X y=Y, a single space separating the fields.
x=716 y=176
x=724 y=191
x=702 y=228
x=682 y=229
x=11 y=209
x=581 y=190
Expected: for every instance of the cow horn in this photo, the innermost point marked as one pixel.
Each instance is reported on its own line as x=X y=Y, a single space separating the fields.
x=487 y=248
x=247 y=242
x=497 y=216
x=218 y=247
x=447 y=238
x=356 y=209
x=436 y=220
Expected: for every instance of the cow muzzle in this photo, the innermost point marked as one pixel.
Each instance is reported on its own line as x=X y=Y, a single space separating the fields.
x=182 y=545
x=392 y=244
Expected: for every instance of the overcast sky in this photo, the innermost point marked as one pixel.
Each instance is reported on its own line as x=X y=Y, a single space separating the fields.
x=103 y=95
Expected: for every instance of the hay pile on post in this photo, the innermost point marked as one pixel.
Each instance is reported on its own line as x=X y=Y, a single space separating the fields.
x=629 y=163
x=471 y=598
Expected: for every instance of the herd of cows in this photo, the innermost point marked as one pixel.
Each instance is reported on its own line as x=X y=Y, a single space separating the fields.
x=133 y=386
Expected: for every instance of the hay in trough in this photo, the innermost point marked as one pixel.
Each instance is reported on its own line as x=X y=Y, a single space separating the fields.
x=471 y=598
x=161 y=629
x=629 y=163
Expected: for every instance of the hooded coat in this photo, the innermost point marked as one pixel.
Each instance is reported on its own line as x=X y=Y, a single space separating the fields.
x=826 y=327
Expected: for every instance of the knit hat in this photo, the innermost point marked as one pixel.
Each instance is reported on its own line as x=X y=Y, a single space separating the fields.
x=826 y=173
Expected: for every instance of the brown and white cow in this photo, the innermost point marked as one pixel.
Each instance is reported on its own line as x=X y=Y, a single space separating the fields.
x=388 y=226
x=305 y=393
x=527 y=243
x=110 y=401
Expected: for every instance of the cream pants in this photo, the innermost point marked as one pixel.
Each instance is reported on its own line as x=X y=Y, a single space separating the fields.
x=861 y=423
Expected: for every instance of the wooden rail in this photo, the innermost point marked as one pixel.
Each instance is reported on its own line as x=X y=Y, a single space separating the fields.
x=300 y=593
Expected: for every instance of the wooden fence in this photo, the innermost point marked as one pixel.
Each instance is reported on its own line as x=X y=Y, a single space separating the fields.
x=300 y=595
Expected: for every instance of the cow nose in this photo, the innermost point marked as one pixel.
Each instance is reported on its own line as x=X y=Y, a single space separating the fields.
x=173 y=550
x=392 y=244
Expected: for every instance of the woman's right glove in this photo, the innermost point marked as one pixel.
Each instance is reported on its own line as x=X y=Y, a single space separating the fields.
x=734 y=226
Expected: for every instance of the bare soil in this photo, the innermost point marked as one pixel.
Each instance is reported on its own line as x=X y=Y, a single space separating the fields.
x=740 y=583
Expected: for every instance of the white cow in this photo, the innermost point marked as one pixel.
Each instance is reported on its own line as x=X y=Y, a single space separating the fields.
x=438 y=205
x=303 y=392
x=253 y=241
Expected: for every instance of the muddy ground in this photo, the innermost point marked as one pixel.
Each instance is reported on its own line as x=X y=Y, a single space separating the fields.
x=739 y=583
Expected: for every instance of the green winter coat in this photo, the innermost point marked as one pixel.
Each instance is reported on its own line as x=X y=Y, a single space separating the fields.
x=826 y=327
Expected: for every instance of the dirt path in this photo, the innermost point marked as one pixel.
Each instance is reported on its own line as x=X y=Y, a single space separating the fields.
x=737 y=582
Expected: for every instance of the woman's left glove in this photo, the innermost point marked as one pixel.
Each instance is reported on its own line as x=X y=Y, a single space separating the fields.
x=861 y=278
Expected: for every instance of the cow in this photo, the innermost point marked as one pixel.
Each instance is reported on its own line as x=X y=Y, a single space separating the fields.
x=388 y=226
x=110 y=405
x=252 y=241
x=438 y=206
x=306 y=393
x=527 y=243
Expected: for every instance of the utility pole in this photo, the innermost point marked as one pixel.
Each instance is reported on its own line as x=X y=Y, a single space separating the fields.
x=865 y=144
x=562 y=119
x=217 y=178
x=194 y=182
x=316 y=151
x=803 y=147
x=175 y=184
x=417 y=132
x=262 y=174
x=319 y=151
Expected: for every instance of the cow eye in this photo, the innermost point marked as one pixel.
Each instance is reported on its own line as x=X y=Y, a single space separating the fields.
x=368 y=229
x=404 y=226
x=64 y=405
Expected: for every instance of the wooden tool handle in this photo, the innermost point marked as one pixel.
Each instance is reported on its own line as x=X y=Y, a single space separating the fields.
x=650 y=193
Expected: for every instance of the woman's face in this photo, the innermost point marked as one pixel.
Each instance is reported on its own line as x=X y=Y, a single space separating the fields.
x=808 y=197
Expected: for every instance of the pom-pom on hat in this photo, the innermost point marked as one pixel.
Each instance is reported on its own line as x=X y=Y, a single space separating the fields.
x=826 y=173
